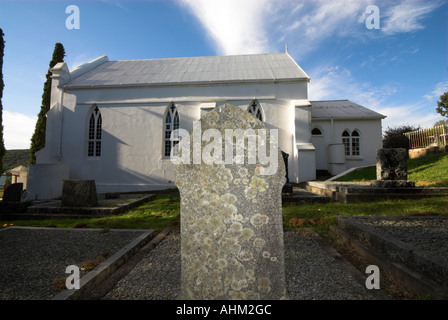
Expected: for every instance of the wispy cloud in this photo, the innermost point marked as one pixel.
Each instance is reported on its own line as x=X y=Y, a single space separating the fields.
x=337 y=82
x=78 y=61
x=255 y=26
x=235 y=26
x=407 y=16
x=439 y=89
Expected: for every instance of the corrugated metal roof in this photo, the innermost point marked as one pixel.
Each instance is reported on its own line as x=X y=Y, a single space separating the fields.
x=168 y=71
x=342 y=109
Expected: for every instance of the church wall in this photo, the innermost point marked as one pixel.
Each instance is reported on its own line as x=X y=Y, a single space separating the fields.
x=370 y=139
x=132 y=129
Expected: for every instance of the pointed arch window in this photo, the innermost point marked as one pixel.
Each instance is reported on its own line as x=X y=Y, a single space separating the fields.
x=255 y=110
x=355 y=143
x=316 y=132
x=95 y=130
x=351 y=143
x=171 y=124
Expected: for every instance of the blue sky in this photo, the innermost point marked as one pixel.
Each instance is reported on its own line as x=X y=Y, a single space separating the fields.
x=399 y=70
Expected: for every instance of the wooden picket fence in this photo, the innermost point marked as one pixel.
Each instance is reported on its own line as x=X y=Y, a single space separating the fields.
x=437 y=136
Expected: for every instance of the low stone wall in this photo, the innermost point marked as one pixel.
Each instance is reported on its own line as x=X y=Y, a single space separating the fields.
x=417 y=153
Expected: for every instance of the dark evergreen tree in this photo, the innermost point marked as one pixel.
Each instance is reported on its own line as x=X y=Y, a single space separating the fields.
x=38 y=138
x=395 y=138
x=2 y=144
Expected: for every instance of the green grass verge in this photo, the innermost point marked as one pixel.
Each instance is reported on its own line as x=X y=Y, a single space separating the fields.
x=431 y=170
x=321 y=216
x=164 y=212
x=156 y=215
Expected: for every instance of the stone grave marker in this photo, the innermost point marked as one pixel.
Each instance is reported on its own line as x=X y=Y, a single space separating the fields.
x=231 y=212
x=391 y=168
x=79 y=193
x=13 y=193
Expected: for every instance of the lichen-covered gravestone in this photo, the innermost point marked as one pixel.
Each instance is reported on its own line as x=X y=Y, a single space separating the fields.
x=231 y=214
x=79 y=193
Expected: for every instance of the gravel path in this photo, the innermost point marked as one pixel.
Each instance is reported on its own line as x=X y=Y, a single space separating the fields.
x=311 y=273
x=31 y=259
x=425 y=233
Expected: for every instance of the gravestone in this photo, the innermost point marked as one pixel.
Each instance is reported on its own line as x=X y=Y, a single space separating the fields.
x=231 y=215
x=13 y=193
x=391 y=164
x=391 y=169
x=79 y=193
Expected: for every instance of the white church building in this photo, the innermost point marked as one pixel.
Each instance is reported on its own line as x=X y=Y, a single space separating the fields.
x=111 y=121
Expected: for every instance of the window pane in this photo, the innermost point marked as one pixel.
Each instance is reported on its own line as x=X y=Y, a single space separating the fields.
x=90 y=149
x=92 y=127
x=355 y=146
x=167 y=148
x=346 y=142
x=98 y=149
x=98 y=127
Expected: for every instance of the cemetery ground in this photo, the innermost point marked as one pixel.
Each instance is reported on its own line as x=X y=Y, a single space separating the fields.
x=163 y=212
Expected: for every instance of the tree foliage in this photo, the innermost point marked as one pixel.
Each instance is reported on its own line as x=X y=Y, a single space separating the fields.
x=441 y=123
x=442 y=105
x=395 y=138
x=38 y=138
x=2 y=144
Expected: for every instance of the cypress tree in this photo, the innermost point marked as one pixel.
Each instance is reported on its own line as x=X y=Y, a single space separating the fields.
x=38 y=138
x=2 y=144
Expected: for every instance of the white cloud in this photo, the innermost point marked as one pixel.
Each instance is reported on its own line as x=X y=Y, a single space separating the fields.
x=335 y=82
x=78 y=61
x=18 y=129
x=439 y=90
x=261 y=26
x=407 y=15
x=235 y=26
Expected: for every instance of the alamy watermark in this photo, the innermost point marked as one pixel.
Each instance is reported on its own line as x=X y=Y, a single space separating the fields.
x=373 y=20
x=373 y=280
x=260 y=147
x=72 y=281
x=73 y=20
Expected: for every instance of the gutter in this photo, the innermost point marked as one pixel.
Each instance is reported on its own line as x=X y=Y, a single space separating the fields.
x=61 y=105
x=183 y=84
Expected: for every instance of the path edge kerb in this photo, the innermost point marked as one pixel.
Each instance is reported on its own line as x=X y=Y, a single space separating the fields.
x=95 y=277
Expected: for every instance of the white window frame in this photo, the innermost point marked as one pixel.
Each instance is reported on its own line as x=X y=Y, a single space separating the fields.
x=94 y=133
x=256 y=110
x=168 y=127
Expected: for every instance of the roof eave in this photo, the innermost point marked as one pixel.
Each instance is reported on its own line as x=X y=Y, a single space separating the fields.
x=188 y=83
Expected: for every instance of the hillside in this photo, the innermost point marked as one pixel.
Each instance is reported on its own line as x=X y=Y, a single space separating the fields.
x=14 y=158
x=431 y=170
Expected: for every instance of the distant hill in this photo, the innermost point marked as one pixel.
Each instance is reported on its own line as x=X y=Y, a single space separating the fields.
x=15 y=158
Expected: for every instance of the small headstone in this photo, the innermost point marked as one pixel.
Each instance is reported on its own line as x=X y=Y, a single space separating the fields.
x=79 y=193
x=13 y=193
x=231 y=216
x=391 y=164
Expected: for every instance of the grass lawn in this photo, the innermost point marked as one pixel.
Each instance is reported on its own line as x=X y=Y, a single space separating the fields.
x=164 y=211
x=156 y=215
x=431 y=170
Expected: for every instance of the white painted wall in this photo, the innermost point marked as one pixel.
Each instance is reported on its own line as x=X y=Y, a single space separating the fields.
x=370 y=141
x=132 y=127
